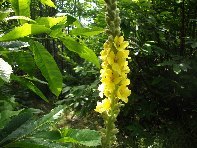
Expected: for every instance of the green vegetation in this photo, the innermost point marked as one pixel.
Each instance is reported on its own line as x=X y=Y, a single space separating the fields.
x=50 y=73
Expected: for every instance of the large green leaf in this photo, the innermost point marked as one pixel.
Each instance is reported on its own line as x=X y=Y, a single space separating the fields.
x=50 y=21
x=87 y=31
x=81 y=136
x=5 y=70
x=48 y=3
x=23 y=31
x=21 y=7
x=80 y=49
x=14 y=124
x=47 y=66
x=25 y=82
x=24 y=60
x=29 y=127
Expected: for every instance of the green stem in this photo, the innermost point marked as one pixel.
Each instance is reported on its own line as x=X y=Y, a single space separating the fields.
x=110 y=134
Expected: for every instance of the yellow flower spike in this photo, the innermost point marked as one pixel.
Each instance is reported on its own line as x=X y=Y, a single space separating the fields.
x=123 y=93
x=103 y=106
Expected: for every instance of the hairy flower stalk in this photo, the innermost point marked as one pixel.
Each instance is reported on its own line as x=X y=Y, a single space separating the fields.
x=114 y=87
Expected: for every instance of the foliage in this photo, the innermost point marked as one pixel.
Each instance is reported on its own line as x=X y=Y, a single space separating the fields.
x=43 y=58
x=24 y=127
x=27 y=130
x=161 y=111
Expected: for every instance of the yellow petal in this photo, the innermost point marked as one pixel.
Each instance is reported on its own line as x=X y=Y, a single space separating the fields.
x=111 y=57
x=123 y=93
x=103 y=106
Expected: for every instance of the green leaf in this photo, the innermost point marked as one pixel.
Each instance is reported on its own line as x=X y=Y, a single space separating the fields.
x=176 y=68
x=13 y=125
x=48 y=3
x=51 y=135
x=47 y=66
x=85 y=137
x=80 y=49
x=5 y=70
x=23 y=31
x=25 y=61
x=29 y=85
x=25 y=144
x=28 y=127
x=194 y=44
x=50 y=21
x=1 y=1
x=87 y=31
x=5 y=116
x=4 y=14
x=21 y=7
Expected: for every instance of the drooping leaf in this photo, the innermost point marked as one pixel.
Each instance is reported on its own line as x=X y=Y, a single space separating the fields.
x=25 y=144
x=38 y=143
x=80 y=49
x=25 y=82
x=21 y=8
x=87 y=31
x=14 y=124
x=15 y=6
x=24 y=7
x=5 y=70
x=25 y=61
x=81 y=136
x=29 y=127
x=47 y=66
x=23 y=31
x=48 y=3
x=5 y=116
x=50 y=21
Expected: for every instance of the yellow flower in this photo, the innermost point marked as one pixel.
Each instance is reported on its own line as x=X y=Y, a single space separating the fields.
x=125 y=82
x=110 y=77
x=123 y=92
x=116 y=61
x=103 y=106
x=120 y=44
x=123 y=54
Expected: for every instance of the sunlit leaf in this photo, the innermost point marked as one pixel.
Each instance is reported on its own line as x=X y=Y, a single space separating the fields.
x=50 y=21
x=48 y=3
x=87 y=31
x=47 y=66
x=23 y=31
x=25 y=82
x=21 y=8
x=81 y=136
x=4 y=14
x=80 y=49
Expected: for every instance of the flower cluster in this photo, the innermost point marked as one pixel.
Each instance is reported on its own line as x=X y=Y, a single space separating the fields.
x=114 y=73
